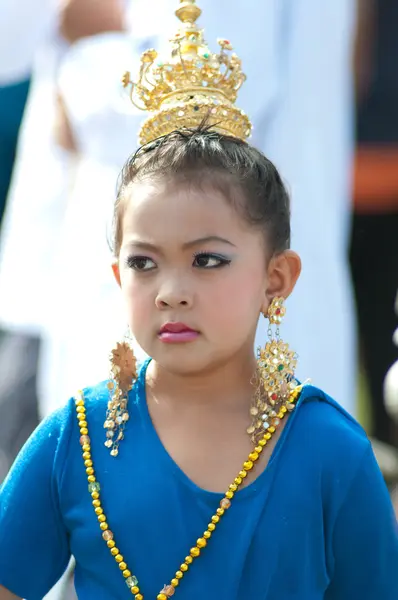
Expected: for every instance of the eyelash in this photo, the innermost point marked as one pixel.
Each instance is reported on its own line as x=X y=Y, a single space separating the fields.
x=132 y=261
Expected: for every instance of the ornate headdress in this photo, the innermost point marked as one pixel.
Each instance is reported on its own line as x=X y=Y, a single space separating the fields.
x=190 y=84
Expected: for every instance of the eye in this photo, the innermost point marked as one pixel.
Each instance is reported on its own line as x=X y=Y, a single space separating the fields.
x=140 y=263
x=207 y=260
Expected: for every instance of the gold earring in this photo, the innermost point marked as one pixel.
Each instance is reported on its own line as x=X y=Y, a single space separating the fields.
x=122 y=378
x=276 y=387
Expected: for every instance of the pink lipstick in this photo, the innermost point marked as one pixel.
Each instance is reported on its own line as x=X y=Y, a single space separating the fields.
x=172 y=333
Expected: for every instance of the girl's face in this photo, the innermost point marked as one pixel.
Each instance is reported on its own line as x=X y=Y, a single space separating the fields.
x=193 y=275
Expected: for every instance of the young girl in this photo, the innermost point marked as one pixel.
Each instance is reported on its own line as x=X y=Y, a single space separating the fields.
x=211 y=473
x=196 y=497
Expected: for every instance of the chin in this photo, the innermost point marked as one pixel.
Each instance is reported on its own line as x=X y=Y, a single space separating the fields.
x=182 y=359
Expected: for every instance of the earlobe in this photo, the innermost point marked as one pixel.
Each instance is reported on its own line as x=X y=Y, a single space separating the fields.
x=116 y=272
x=283 y=272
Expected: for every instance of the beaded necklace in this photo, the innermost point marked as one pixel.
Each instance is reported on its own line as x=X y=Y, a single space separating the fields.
x=107 y=534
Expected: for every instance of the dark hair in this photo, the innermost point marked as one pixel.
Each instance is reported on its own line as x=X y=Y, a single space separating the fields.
x=203 y=156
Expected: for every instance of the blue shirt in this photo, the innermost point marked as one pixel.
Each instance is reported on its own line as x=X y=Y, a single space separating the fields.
x=316 y=524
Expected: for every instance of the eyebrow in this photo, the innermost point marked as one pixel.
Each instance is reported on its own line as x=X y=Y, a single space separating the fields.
x=204 y=240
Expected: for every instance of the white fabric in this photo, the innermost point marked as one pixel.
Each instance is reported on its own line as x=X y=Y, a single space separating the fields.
x=24 y=24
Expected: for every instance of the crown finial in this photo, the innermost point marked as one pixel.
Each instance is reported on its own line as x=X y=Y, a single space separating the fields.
x=189 y=84
x=188 y=11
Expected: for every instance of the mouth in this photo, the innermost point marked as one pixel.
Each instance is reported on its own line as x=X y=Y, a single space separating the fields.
x=171 y=333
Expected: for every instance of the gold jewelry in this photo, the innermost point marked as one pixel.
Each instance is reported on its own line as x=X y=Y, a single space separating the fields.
x=123 y=375
x=190 y=85
x=94 y=489
x=274 y=379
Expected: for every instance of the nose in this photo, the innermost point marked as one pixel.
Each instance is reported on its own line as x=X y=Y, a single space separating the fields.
x=173 y=294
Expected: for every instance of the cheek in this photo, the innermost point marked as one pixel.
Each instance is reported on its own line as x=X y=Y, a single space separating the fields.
x=238 y=295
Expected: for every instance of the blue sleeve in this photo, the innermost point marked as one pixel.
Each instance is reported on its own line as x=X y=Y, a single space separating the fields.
x=34 y=548
x=365 y=540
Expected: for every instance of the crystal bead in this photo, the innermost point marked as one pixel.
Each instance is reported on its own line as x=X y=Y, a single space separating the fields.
x=225 y=503
x=94 y=487
x=107 y=535
x=114 y=452
x=265 y=424
x=108 y=443
x=131 y=581
x=168 y=590
x=84 y=440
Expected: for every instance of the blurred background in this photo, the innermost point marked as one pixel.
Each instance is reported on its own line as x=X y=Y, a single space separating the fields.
x=322 y=92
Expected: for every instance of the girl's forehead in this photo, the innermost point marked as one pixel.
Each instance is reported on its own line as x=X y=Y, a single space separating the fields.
x=179 y=203
x=182 y=211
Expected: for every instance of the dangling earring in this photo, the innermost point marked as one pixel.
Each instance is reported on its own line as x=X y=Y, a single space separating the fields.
x=276 y=387
x=123 y=375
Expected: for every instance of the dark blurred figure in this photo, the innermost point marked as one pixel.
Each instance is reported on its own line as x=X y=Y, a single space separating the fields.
x=14 y=428
x=12 y=104
x=374 y=247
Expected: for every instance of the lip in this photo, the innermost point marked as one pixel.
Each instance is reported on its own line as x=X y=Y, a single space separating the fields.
x=172 y=333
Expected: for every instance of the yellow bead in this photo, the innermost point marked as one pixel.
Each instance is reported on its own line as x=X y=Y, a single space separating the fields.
x=80 y=409
x=233 y=487
x=262 y=443
x=115 y=551
x=91 y=478
x=242 y=474
x=118 y=558
x=101 y=518
x=111 y=543
x=90 y=471
x=98 y=510
x=248 y=465
x=195 y=552
x=88 y=463
x=79 y=402
x=253 y=456
x=83 y=424
x=96 y=503
x=179 y=575
x=86 y=447
x=268 y=436
x=95 y=495
x=215 y=518
x=139 y=597
x=161 y=597
x=126 y=573
x=238 y=480
x=104 y=526
x=207 y=535
x=184 y=567
x=83 y=430
x=211 y=527
x=86 y=455
x=201 y=543
x=220 y=512
x=174 y=582
x=135 y=589
x=258 y=449
x=189 y=560
x=284 y=409
x=122 y=566
x=271 y=429
x=229 y=495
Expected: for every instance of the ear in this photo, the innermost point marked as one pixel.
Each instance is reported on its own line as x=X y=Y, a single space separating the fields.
x=283 y=271
x=116 y=272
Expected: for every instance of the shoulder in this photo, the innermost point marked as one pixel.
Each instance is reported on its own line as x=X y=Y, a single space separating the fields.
x=336 y=442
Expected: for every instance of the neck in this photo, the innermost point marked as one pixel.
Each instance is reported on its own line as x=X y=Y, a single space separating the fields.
x=226 y=386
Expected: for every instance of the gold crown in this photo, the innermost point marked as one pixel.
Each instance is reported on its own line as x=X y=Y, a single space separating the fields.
x=190 y=84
